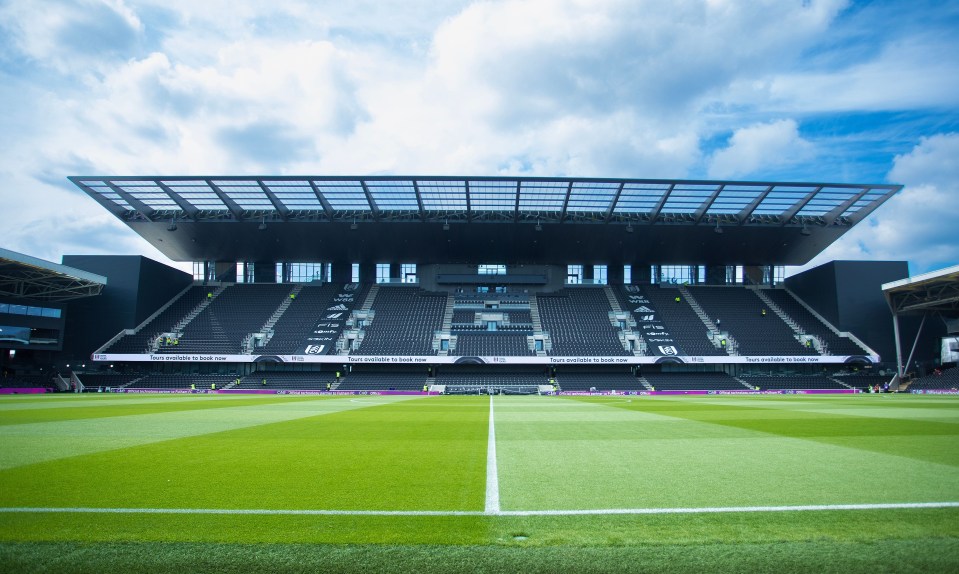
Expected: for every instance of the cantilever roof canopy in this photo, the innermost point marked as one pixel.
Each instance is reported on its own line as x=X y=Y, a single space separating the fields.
x=430 y=203
x=22 y=276
x=933 y=291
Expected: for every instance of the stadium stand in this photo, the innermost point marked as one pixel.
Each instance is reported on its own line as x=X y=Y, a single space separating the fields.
x=792 y=382
x=945 y=379
x=862 y=380
x=693 y=381
x=397 y=380
x=299 y=319
x=232 y=315
x=111 y=380
x=24 y=381
x=835 y=345
x=287 y=380
x=757 y=330
x=164 y=322
x=492 y=343
x=687 y=329
x=577 y=320
x=181 y=381
x=623 y=380
x=404 y=322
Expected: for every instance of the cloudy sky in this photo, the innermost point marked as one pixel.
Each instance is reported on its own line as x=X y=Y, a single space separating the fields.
x=798 y=90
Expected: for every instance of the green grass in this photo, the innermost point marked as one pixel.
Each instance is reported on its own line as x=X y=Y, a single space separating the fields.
x=396 y=453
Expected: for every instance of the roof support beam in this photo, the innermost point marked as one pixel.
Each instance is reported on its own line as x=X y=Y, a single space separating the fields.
x=792 y=211
x=654 y=214
x=701 y=212
x=747 y=211
x=144 y=209
x=234 y=208
x=185 y=205
x=322 y=199
x=516 y=203
x=110 y=206
x=419 y=200
x=283 y=210
x=834 y=213
x=569 y=192
x=872 y=205
x=375 y=209
x=612 y=204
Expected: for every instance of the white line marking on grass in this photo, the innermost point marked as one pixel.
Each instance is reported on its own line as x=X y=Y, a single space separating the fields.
x=598 y=511
x=492 y=474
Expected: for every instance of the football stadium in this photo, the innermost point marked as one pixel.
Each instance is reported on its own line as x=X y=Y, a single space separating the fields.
x=491 y=374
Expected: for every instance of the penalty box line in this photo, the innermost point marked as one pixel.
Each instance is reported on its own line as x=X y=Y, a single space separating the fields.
x=584 y=512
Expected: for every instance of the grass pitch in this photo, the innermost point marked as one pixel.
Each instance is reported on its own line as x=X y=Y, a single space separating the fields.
x=248 y=483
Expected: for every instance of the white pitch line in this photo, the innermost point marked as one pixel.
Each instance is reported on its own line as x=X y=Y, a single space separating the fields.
x=492 y=474
x=597 y=511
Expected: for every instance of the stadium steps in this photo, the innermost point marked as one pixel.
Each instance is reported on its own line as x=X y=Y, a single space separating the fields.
x=370 y=298
x=613 y=299
x=448 y=314
x=831 y=327
x=841 y=382
x=743 y=383
x=800 y=333
x=642 y=380
x=267 y=328
x=178 y=328
x=133 y=382
x=145 y=322
x=732 y=348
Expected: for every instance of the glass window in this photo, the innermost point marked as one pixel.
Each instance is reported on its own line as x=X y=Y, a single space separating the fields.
x=382 y=272
x=47 y=312
x=600 y=274
x=627 y=274
x=18 y=310
x=574 y=274
x=34 y=311
x=240 y=272
x=4 y=308
x=676 y=274
x=355 y=273
x=488 y=269
x=408 y=272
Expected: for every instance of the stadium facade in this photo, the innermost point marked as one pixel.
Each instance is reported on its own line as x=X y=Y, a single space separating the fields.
x=354 y=282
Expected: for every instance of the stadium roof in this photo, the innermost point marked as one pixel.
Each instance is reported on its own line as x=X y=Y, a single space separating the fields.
x=22 y=276
x=808 y=216
x=933 y=291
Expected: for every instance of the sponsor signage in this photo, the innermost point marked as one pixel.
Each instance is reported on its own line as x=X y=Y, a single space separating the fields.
x=659 y=340
x=441 y=360
x=330 y=323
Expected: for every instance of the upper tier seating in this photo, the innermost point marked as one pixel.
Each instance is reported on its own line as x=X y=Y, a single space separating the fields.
x=235 y=313
x=404 y=322
x=685 y=326
x=292 y=330
x=163 y=323
x=693 y=381
x=578 y=323
x=835 y=344
x=741 y=313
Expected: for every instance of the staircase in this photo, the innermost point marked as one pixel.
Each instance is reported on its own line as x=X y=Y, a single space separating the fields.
x=732 y=348
x=831 y=327
x=370 y=297
x=534 y=314
x=798 y=331
x=267 y=329
x=642 y=380
x=448 y=314
x=613 y=300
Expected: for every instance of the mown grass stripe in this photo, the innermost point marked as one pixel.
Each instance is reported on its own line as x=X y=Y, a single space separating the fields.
x=595 y=512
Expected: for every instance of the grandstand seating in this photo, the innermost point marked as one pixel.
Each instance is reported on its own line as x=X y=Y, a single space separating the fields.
x=577 y=320
x=861 y=380
x=181 y=381
x=673 y=381
x=165 y=321
x=287 y=380
x=835 y=344
x=947 y=379
x=791 y=382
x=601 y=381
x=466 y=377
x=24 y=381
x=299 y=319
x=235 y=313
x=741 y=314
x=404 y=323
x=492 y=343
x=687 y=329
x=113 y=380
x=399 y=380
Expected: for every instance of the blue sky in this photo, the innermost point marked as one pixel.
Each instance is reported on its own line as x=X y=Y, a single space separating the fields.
x=813 y=90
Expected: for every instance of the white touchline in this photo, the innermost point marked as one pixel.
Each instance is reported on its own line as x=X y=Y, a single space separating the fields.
x=492 y=474
x=596 y=511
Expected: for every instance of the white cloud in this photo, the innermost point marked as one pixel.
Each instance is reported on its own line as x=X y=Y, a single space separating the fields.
x=760 y=147
x=920 y=223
